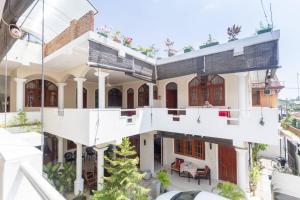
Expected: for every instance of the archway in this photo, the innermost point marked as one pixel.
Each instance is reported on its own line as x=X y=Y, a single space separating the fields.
x=33 y=91
x=171 y=95
x=209 y=88
x=143 y=95
x=130 y=98
x=114 y=98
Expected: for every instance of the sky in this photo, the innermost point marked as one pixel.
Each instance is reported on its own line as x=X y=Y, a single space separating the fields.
x=188 y=22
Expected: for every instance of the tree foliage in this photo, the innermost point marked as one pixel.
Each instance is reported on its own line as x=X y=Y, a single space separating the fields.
x=124 y=180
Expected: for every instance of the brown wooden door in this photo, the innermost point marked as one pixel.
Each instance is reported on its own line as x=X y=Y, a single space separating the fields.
x=171 y=99
x=227 y=163
x=130 y=100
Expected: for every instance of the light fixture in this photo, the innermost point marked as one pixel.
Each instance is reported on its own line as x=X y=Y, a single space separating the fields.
x=13 y=30
x=261 y=121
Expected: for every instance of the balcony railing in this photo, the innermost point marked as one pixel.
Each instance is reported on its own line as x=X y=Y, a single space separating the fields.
x=96 y=126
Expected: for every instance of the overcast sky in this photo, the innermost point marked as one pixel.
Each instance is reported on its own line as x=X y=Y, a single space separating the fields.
x=190 y=21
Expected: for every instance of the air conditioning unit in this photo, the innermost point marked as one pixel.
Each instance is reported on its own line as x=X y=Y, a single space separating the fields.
x=267 y=92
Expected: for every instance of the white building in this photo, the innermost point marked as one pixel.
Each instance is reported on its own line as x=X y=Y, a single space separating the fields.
x=98 y=91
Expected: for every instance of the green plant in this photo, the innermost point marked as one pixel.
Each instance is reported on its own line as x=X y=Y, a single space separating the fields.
x=164 y=178
x=188 y=48
x=287 y=121
x=117 y=36
x=256 y=148
x=150 y=51
x=210 y=42
x=62 y=178
x=230 y=191
x=124 y=180
x=255 y=175
x=21 y=120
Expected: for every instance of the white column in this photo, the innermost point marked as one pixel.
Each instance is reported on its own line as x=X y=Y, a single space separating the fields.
x=78 y=183
x=147 y=152
x=61 y=87
x=101 y=88
x=100 y=167
x=20 y=93
x=60 y=157
x=242 y=169
x=151 y=101
x=242 y=93
x=79 y=91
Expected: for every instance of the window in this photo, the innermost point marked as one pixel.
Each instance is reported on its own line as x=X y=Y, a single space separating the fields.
x=207 y=88
x=143 y=96
x=190 y=147
x=33 y=91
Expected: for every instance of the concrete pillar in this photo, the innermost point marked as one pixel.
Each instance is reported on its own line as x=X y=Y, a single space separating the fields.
x=61 y=87
x=20 y=93
x=78 y=183
x=242 y=93
x=242 y=168
x=79 y=91
x=60 y=144
x=151 y=99
x=100 y=167
x=147 y=152
x=101 y=88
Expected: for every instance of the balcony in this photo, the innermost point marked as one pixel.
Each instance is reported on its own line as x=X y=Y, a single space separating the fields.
x=93 y=126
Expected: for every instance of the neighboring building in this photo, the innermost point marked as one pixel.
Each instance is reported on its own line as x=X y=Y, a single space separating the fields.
x=98 y=91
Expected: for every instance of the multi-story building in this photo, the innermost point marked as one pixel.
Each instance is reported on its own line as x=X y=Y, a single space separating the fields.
x=200 y=106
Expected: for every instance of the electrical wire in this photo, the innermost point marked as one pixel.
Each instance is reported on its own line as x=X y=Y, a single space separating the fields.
x=263 y=8
x=43 y=76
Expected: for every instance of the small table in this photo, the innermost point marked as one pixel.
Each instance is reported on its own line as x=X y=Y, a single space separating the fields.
x=189 y=168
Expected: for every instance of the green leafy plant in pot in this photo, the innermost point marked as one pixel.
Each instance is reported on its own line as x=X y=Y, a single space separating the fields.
x=188 y=48
x=164 y=179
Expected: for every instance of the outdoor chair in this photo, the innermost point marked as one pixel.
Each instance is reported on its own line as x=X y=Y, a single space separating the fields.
x=175 y=166
x=90 y=179
x=203 y=174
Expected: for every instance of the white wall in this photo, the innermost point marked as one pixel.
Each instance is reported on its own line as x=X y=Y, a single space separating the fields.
x=147 y=151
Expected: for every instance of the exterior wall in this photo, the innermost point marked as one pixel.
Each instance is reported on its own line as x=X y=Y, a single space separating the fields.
x=147 y=151
x=76 y=29
x=211 y=156
x=268 y=100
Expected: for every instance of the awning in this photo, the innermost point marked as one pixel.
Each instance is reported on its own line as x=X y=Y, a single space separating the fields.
x=285 y=186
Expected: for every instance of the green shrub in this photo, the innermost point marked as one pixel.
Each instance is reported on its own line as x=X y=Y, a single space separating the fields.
x=230 y=191
x=164 y=178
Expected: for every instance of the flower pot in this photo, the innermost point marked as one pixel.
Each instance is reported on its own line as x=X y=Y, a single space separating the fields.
x=264 y=31
x=208 y=45
x=187 y=50
x=103 y=34
x=155 y=188
x=231 y=40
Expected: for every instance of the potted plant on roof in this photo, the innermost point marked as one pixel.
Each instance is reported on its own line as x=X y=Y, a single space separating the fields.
x=264 y=29
x=233 y=32
x=104 y=31
x=117 y=37
x=210 y=42
x=188 y=48
x=127 y=41
x=150 y=51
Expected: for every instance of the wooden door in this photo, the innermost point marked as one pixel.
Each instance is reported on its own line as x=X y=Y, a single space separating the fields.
x=227 y=164
x=130 y=100
x=171 y=99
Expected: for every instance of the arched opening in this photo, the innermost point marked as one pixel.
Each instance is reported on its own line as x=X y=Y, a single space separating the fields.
x=209 y=88
x=114 y=98
x=33 y=91
x=96 y=99
x=171 y=95
x=130 y=98
x=155 y=92
x=143 y=95
x=84 y=97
